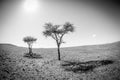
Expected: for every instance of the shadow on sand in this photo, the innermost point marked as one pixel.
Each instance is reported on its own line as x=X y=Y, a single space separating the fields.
x=77 y=67
x=33 y=56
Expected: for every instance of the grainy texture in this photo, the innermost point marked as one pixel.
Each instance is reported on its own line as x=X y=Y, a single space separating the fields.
x=98 y=62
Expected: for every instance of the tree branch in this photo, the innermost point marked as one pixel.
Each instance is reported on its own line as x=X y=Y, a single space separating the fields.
x=53 y=37
x=61 y=38
x=57 y=40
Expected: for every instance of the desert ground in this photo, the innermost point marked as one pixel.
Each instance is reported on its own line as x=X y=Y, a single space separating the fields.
x=92 y=62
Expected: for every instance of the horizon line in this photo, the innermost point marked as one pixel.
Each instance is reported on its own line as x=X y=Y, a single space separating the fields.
x=61 y=47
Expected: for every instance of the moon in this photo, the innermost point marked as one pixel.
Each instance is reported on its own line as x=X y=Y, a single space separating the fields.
x=30 y=5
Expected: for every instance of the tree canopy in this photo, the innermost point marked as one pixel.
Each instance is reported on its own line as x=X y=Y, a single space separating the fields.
x=29 y=39
x=56 y=31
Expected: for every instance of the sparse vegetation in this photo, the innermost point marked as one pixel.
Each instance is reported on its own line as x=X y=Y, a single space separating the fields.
x=82 y=63
x=29 y=40
x=36 y=56
x=57 y=33
x=84 y=66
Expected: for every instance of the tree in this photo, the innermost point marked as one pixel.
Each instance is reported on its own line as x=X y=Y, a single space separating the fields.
x=29 y=40
x=57 y=32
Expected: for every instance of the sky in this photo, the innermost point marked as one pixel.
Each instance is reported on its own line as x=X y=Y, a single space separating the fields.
x=95 y=21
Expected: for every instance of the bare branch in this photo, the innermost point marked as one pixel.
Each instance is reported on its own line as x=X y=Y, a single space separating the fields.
x=53 y=37
x=57 y=39
x=61 y=38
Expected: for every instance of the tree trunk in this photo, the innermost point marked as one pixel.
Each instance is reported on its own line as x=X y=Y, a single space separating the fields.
x=59 y=53
x=30 y=50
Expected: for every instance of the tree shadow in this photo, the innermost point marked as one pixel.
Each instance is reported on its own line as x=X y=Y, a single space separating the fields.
x=77 y=67
x=33 y=56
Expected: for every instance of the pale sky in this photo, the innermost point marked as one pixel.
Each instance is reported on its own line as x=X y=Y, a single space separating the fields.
x=95 y=21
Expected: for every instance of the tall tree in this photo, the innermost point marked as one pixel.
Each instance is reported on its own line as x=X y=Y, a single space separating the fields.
x=57 y=32
x=29 y=40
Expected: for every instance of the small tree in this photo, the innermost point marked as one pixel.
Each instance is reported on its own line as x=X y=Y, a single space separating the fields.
x=57 y=33
x=29 y=40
